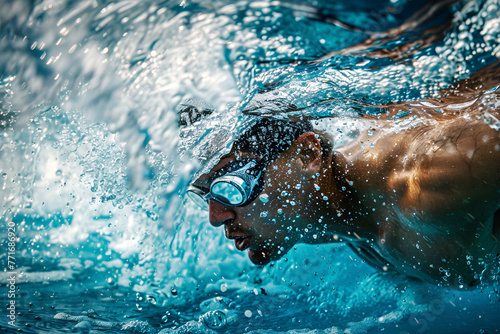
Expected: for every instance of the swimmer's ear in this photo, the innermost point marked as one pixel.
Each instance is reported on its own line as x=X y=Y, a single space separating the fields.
x=308 y=149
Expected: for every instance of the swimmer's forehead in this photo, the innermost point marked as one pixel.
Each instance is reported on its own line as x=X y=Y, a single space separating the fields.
x=204 y=180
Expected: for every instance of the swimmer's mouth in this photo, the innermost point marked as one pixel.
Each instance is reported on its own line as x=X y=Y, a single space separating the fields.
x=241 y=242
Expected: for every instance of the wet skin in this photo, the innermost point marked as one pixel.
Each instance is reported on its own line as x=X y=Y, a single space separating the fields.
x=420 y=202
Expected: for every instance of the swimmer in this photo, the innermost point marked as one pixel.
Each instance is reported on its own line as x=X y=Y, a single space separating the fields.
x=422 y=201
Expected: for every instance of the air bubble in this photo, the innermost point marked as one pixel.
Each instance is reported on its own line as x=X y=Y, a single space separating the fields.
x=264 y=198
x=151 y=299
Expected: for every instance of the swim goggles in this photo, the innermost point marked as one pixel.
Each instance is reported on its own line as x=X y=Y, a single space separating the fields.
x=234 y=188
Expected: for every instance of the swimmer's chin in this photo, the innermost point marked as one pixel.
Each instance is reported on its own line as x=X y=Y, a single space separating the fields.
x=261 y=258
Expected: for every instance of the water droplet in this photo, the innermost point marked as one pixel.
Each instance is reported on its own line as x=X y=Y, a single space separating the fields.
x=292 y=203
x=316 y=187
x=284 y=193
x=325 y=198
x=264 y=198
x=59 y=172
x=263 y=214
x=298 y=186
x=248 y=313
x=151 y=299
x=280 y=211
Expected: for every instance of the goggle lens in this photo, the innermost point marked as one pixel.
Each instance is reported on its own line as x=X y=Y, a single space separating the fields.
x=227 y=193
x=233 y=188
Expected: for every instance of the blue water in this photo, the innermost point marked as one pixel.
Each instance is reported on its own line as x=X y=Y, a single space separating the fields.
x=93 y=168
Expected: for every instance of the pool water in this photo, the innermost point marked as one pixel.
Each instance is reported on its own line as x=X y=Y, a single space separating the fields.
x=94 y=167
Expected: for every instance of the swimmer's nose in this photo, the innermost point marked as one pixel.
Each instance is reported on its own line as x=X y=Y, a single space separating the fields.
x=219 y=214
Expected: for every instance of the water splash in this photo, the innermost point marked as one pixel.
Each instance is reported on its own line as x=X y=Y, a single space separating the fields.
x=94 y=164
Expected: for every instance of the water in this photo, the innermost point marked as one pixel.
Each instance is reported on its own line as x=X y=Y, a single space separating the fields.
x=94 y=168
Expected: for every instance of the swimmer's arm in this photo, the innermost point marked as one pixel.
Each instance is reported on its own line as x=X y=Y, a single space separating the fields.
x=373 y=47
x=467 y=96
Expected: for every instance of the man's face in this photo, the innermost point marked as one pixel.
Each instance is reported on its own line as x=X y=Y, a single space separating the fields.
x=275 y=220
